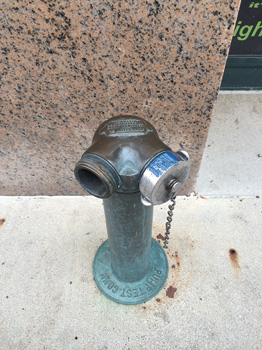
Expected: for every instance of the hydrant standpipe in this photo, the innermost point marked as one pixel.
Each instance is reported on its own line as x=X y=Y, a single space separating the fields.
x=131 y=169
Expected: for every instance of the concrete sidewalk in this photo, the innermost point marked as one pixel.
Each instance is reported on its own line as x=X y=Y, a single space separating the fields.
x=49 y=299
x=232 y=160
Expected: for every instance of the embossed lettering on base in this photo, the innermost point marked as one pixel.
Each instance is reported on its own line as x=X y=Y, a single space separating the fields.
x=136 y=292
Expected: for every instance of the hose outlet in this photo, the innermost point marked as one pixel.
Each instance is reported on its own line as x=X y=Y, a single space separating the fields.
x=97 y=176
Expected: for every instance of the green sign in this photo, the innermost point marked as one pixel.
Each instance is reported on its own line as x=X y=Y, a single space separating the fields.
x=247 y=37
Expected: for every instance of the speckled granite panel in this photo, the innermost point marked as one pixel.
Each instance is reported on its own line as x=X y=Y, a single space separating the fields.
x=68 y=65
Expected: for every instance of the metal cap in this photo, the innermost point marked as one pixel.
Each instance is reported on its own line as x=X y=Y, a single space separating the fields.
x=164 y=177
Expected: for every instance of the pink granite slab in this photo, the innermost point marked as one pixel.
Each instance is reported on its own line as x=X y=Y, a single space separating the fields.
x=68 y=65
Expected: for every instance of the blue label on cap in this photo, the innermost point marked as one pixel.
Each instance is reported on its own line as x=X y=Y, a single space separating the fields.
x=162 y=163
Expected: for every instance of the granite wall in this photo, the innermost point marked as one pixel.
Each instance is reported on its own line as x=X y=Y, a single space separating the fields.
x=68 y=65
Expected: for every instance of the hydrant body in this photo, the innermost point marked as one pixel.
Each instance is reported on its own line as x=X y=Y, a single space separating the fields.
x=131 y=169
x=130 y=243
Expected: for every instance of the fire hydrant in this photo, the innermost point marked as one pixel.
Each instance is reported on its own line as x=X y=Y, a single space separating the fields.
x=132 y=170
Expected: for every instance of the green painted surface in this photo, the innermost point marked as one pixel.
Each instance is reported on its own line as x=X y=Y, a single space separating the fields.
x=131 y=292
x=242 y=73
x=128 y=268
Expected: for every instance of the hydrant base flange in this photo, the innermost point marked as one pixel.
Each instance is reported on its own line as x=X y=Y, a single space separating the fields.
x=135 y=292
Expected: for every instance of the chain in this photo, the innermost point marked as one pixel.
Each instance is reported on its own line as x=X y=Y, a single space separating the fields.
x=169 y=220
